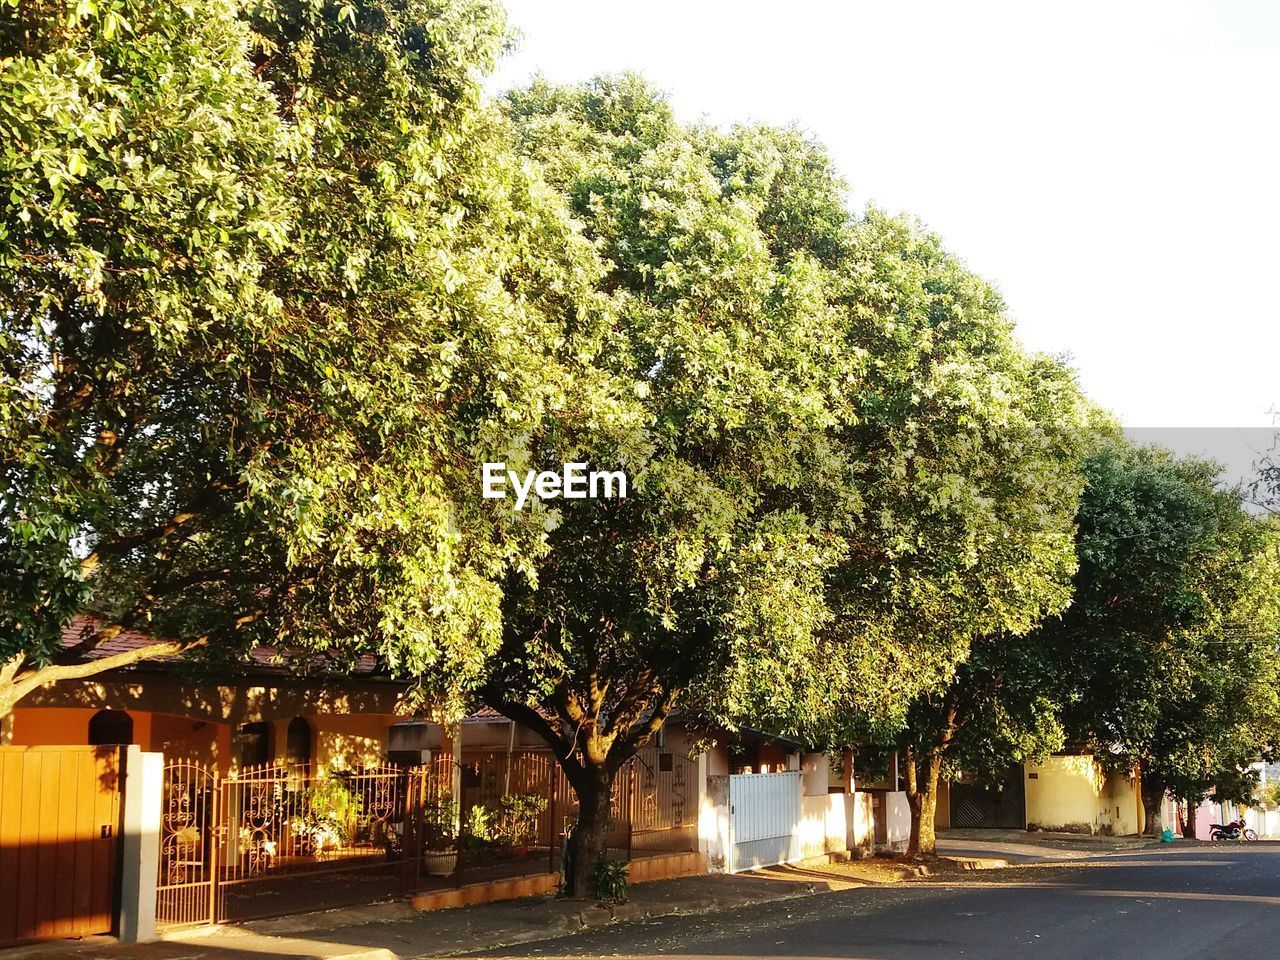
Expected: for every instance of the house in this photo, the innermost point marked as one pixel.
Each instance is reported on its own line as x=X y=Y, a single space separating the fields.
x=291 y=783
x=268 y=712
x=1068 y=792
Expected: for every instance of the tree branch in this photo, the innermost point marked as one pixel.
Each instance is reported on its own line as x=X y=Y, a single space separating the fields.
x=535 y=721
x=42 y=676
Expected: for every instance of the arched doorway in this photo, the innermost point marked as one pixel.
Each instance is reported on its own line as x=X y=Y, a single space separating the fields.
x=109 y=728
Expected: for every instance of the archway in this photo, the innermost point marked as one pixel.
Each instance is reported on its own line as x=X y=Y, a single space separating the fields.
x=109 y=728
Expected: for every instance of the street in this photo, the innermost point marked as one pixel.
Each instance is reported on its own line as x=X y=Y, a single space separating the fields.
x=1167 y=904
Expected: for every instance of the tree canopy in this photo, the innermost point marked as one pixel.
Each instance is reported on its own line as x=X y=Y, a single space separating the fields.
x=846 y=467
x=278 y=278
x=272 y=274
x=1168 y=651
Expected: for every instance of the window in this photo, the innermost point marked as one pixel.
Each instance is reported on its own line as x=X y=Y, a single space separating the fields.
x=298 y=743
x=255 y=744
x=110 y=727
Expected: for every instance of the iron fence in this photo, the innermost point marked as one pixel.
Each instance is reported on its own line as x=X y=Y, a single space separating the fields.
x=273 y=840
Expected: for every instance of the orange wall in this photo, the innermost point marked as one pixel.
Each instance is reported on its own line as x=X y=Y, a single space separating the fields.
x=178 y=737
x=58 y=726
x=49 y=726
x=341 y=741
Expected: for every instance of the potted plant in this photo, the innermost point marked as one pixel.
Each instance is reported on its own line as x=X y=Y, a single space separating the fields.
x=439 y=837
x=519 y=817
x=329 y=810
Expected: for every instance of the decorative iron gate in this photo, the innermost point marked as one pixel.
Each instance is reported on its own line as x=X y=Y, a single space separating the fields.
x=185 y=889
x=272 y=840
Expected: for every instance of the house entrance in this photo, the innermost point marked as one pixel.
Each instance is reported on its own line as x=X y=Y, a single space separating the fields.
x=998 y=805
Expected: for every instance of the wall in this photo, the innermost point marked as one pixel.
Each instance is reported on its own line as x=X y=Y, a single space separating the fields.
x=823 y=828
x=718 y=761
x=52 y=726
x=1265 y=822
x=773 y=758
x=181 y=738
x=69 y=726
x=715 y=823
x=264 y=699
x=859 y=823
x=1071 y=793
x=339 y=741
x=349 y=742
x=898 y=817
x=1123 y=814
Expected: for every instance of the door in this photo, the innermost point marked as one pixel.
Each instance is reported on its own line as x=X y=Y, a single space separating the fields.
x=59 y=841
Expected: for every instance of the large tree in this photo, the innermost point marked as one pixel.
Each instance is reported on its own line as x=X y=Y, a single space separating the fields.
x=1168 y=645
x=271 y=277
x=972 y=541
x=1001 y=708
x=836 y=422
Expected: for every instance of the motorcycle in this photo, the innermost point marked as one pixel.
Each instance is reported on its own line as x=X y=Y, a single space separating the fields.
x=1235 y=830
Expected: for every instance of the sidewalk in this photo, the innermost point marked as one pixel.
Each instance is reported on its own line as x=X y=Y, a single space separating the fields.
x=394 y=931
x=1023 y=847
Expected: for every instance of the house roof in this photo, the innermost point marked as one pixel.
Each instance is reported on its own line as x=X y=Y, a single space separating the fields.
x=281 y=660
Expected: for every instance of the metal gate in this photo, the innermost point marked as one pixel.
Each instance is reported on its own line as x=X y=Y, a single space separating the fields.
x=998 y=805
x=273 y=840
x=764 y=811
x=59 y=841
x=185 y=890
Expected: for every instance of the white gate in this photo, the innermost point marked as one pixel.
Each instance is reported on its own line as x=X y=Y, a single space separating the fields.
x=764 y=810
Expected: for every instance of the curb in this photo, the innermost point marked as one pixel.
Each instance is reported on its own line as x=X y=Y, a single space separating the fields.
x=293 y=942
x=595 y=917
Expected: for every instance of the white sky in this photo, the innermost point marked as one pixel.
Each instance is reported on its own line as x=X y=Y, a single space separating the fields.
x=1114 y=167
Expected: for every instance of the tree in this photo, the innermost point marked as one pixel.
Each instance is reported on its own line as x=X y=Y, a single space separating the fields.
x=1000 y=709
x=982 y=506
x=729 y=365
x=834 y=416
x=1229 y=717
x=1168 y=669
x=272 y=277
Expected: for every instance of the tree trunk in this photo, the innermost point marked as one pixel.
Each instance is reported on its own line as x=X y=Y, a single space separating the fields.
x=922 y=798
x=589 y=841
x=1152 y=800
x=1189 y=821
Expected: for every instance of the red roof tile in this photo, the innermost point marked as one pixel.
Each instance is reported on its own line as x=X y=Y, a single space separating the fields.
x=271 y=658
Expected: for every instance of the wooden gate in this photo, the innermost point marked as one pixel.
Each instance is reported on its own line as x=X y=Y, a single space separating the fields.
x=59 y=841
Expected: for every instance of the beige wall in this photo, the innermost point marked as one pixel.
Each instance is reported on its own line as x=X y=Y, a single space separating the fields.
x=350 y=742
x=942 y=812
x=1124 y=804
x=1072 y=793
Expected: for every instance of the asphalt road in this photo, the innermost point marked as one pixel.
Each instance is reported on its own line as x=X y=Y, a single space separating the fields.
x=1168 y=904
